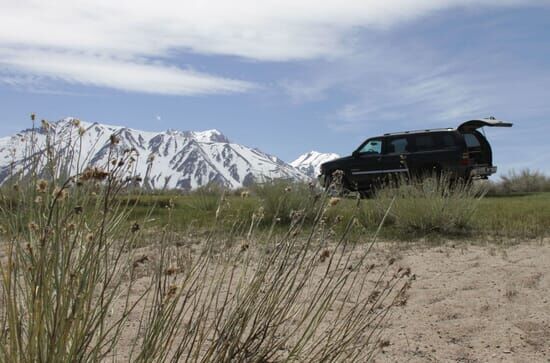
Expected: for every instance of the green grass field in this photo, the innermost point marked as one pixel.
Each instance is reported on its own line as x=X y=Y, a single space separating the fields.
x=520 y=216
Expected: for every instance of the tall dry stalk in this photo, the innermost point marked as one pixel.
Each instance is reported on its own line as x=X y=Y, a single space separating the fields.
x=73 y=279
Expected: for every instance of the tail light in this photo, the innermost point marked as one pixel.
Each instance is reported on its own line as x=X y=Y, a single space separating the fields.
x=465 y=159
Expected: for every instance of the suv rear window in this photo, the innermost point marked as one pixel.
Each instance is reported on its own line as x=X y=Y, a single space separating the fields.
x=471 y=141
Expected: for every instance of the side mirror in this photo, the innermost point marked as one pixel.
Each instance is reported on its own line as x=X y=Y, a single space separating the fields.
x=355 y=153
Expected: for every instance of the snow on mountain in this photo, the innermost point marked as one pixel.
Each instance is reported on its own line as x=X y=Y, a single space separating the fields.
x=310 y=163
x=170 y=159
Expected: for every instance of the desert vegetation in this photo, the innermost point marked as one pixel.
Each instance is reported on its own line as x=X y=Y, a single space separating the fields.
x=86 y=276
x=427 y=209
x=523 y=182
x=95 y=269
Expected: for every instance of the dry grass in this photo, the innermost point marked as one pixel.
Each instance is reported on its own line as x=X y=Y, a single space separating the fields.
x=71 y=267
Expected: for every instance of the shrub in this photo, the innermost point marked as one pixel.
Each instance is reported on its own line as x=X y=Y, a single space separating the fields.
x=427 y=206
x=281 y=200
x=71 y=280
x=526 y=181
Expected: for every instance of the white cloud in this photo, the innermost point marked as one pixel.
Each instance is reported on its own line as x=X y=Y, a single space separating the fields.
x=101 y=42
x=268 y=29
x=126 y=75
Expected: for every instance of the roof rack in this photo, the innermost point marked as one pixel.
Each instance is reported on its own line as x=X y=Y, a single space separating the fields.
x=417 y=131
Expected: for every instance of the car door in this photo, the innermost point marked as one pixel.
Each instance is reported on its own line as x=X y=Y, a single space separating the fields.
x=477 y=145
x=366 y=165
x=472 y=125
x=396 y=153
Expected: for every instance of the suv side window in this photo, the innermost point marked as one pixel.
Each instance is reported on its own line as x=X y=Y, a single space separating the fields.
x=397 y=146
x=425 y=142
x=447 y=140
x=372 y=147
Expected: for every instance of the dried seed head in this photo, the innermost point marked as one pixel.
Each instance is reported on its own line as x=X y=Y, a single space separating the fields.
x=90 y=237
x=261 y=213
x=81 y=131
x=288 y=189
x=135 y=227
x=114 y=139
x=78 y=209
x=76 y=122
x=324 y=255
x=93 y=173
x=373 y=296
x=333 y=201
x=38 y=200
x=45 y=125
x=60 y=194
x=42 y=186
x=33 y=116
x=141 y=260
x=245 y=194
x=171 y=291
x=71 y=227
x=171 y=271
x=16 y=187
x=33 y=227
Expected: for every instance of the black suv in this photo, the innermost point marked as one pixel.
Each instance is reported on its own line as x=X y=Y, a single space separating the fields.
x=462 y=152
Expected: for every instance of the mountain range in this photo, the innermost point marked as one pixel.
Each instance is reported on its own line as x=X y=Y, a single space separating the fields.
x=164 y=160
x=310 y=163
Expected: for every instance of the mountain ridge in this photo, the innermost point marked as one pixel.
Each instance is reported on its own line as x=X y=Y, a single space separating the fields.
x=310 y=162
x=168 y=159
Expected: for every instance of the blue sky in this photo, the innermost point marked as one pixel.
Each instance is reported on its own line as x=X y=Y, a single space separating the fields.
x=284 y=76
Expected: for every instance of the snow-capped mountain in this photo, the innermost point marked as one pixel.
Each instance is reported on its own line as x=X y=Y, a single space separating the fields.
x=310 y=163
x=170 y=159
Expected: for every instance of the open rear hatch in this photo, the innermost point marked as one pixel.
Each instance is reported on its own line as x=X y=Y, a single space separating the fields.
x=472 y=125
x=478 y=147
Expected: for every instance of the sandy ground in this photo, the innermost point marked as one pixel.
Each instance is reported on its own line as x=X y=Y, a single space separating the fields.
x=474 y=304
x=469 y=303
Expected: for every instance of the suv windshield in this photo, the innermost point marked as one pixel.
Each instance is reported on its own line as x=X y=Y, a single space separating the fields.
x=372 y=147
